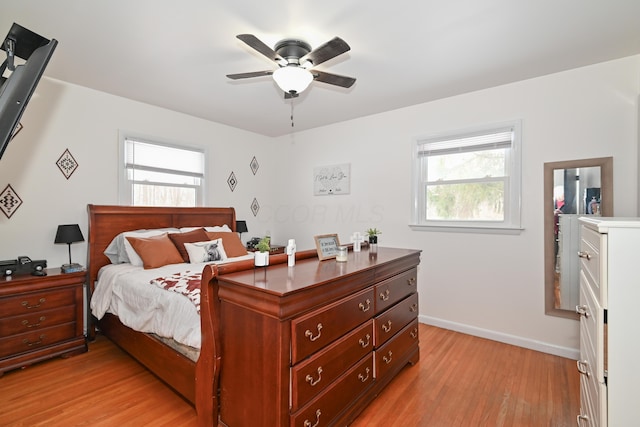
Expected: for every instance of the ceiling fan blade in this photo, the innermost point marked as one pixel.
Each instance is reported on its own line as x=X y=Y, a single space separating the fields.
x=325 y=52
x=258 y=45
x=333 y=79
x=249 y=75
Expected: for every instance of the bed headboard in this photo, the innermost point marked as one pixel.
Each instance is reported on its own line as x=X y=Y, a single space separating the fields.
x=106 y=222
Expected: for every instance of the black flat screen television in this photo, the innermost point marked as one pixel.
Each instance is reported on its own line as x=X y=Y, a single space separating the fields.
x=21 y=80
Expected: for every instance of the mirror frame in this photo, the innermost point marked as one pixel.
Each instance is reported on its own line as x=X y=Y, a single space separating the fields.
x=606 y=206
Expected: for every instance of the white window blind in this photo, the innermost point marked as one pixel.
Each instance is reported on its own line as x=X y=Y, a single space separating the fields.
x=468 y=179
x=157 y=174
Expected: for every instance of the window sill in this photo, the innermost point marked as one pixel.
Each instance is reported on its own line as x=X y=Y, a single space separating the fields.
x=467 y=229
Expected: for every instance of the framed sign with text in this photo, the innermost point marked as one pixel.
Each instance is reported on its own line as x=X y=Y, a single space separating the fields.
x=327 y=246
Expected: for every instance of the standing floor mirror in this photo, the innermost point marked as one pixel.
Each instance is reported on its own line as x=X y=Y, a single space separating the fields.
x=571 y=189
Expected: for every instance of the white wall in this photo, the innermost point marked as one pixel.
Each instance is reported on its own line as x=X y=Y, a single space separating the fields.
x=490 y=285
x=87 y=122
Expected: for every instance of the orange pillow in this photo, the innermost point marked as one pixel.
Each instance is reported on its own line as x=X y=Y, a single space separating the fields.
x=230 y=241
x=179 y=239
x=155 y=251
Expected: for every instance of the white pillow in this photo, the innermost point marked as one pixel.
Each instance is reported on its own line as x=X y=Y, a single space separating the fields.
x=133 y=256
x=211 y=250
x=116 y=251
x=223 y=227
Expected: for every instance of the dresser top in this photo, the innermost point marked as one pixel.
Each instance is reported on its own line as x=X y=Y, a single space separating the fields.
x=603 y=224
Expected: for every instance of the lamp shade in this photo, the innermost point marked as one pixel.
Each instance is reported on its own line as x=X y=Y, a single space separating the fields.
x=241 y=226
x=69 y=233
x=292 y=79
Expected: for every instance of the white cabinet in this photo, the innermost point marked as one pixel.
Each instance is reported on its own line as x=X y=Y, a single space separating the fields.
x=609 y=325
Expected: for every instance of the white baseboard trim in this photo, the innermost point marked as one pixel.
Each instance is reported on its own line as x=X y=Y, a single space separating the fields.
x=569 y=353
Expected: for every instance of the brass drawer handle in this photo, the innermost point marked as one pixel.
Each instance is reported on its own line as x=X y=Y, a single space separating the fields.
x=309 y=334
x=386 y=326
x=388 y=358
x=414 y=333
x=582 y=311
x=411 y=281
x=584 y=254
x=26 y=305
x=362 y=378
x=31 y=344
x=307 y=423
x=384 y=295
x=583 y=367
x=364 y=308
x=34 y=325
x=413 y=308
x=310 y=379
x=364 y=344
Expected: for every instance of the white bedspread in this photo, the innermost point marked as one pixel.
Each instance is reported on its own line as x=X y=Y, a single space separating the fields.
x=125 y=290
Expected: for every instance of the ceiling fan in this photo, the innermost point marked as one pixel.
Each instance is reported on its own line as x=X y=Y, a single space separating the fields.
x=295 y=60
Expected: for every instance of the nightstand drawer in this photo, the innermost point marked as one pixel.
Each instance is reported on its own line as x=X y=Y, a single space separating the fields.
x=37 y=301
x=37 y=320
x=33 y=340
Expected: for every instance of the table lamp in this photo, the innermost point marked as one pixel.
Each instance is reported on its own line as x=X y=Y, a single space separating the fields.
x=69 y=233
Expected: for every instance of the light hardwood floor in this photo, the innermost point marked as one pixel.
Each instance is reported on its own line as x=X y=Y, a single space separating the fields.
x=460 y=381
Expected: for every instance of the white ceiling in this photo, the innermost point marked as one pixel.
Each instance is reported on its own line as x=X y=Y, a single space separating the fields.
x=176 y=54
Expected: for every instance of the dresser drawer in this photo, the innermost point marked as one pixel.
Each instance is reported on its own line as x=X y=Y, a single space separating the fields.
x=327 y=406
x=315 y=374
x=30 y=341
x=311 y=332
x=37 y=320
x=37 y=301
x=591 y=258
x=392 y=354
x=591 y=330
x=392 y=290
x=391 y=321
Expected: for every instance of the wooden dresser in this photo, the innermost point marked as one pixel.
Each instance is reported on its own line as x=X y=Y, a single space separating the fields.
x=609 y=338
x=313 y=344
x=40 y=317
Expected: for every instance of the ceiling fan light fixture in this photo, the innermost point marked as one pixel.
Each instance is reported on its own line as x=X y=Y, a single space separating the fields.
x=292 y=79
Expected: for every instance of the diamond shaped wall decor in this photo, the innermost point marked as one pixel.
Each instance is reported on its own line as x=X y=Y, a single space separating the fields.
x=9 y=201
x=67 y=164
x=232 y=181
x=254 y=165
x=255 y=207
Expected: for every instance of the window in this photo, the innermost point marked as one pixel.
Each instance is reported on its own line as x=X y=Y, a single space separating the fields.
x=468 y=180
x=156 y=174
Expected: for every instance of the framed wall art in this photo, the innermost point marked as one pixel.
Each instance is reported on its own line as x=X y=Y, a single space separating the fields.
x=329 y=180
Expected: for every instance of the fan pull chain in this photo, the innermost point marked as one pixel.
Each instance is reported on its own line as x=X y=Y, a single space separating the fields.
x=291 y=112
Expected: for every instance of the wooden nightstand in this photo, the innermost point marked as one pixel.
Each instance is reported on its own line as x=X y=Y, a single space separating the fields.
x=40 y=317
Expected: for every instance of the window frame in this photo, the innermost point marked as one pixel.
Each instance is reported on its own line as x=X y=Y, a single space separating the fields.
x=125 y=196
x=513 y=196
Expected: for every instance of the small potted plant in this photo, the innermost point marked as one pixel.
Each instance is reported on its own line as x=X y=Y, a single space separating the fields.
x=262 y=252
x=373 y=235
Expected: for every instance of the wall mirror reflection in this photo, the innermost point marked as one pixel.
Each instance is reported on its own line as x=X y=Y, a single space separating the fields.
x=571 y=189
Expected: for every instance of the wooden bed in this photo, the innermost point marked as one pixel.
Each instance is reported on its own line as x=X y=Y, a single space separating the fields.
x=197 y=381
